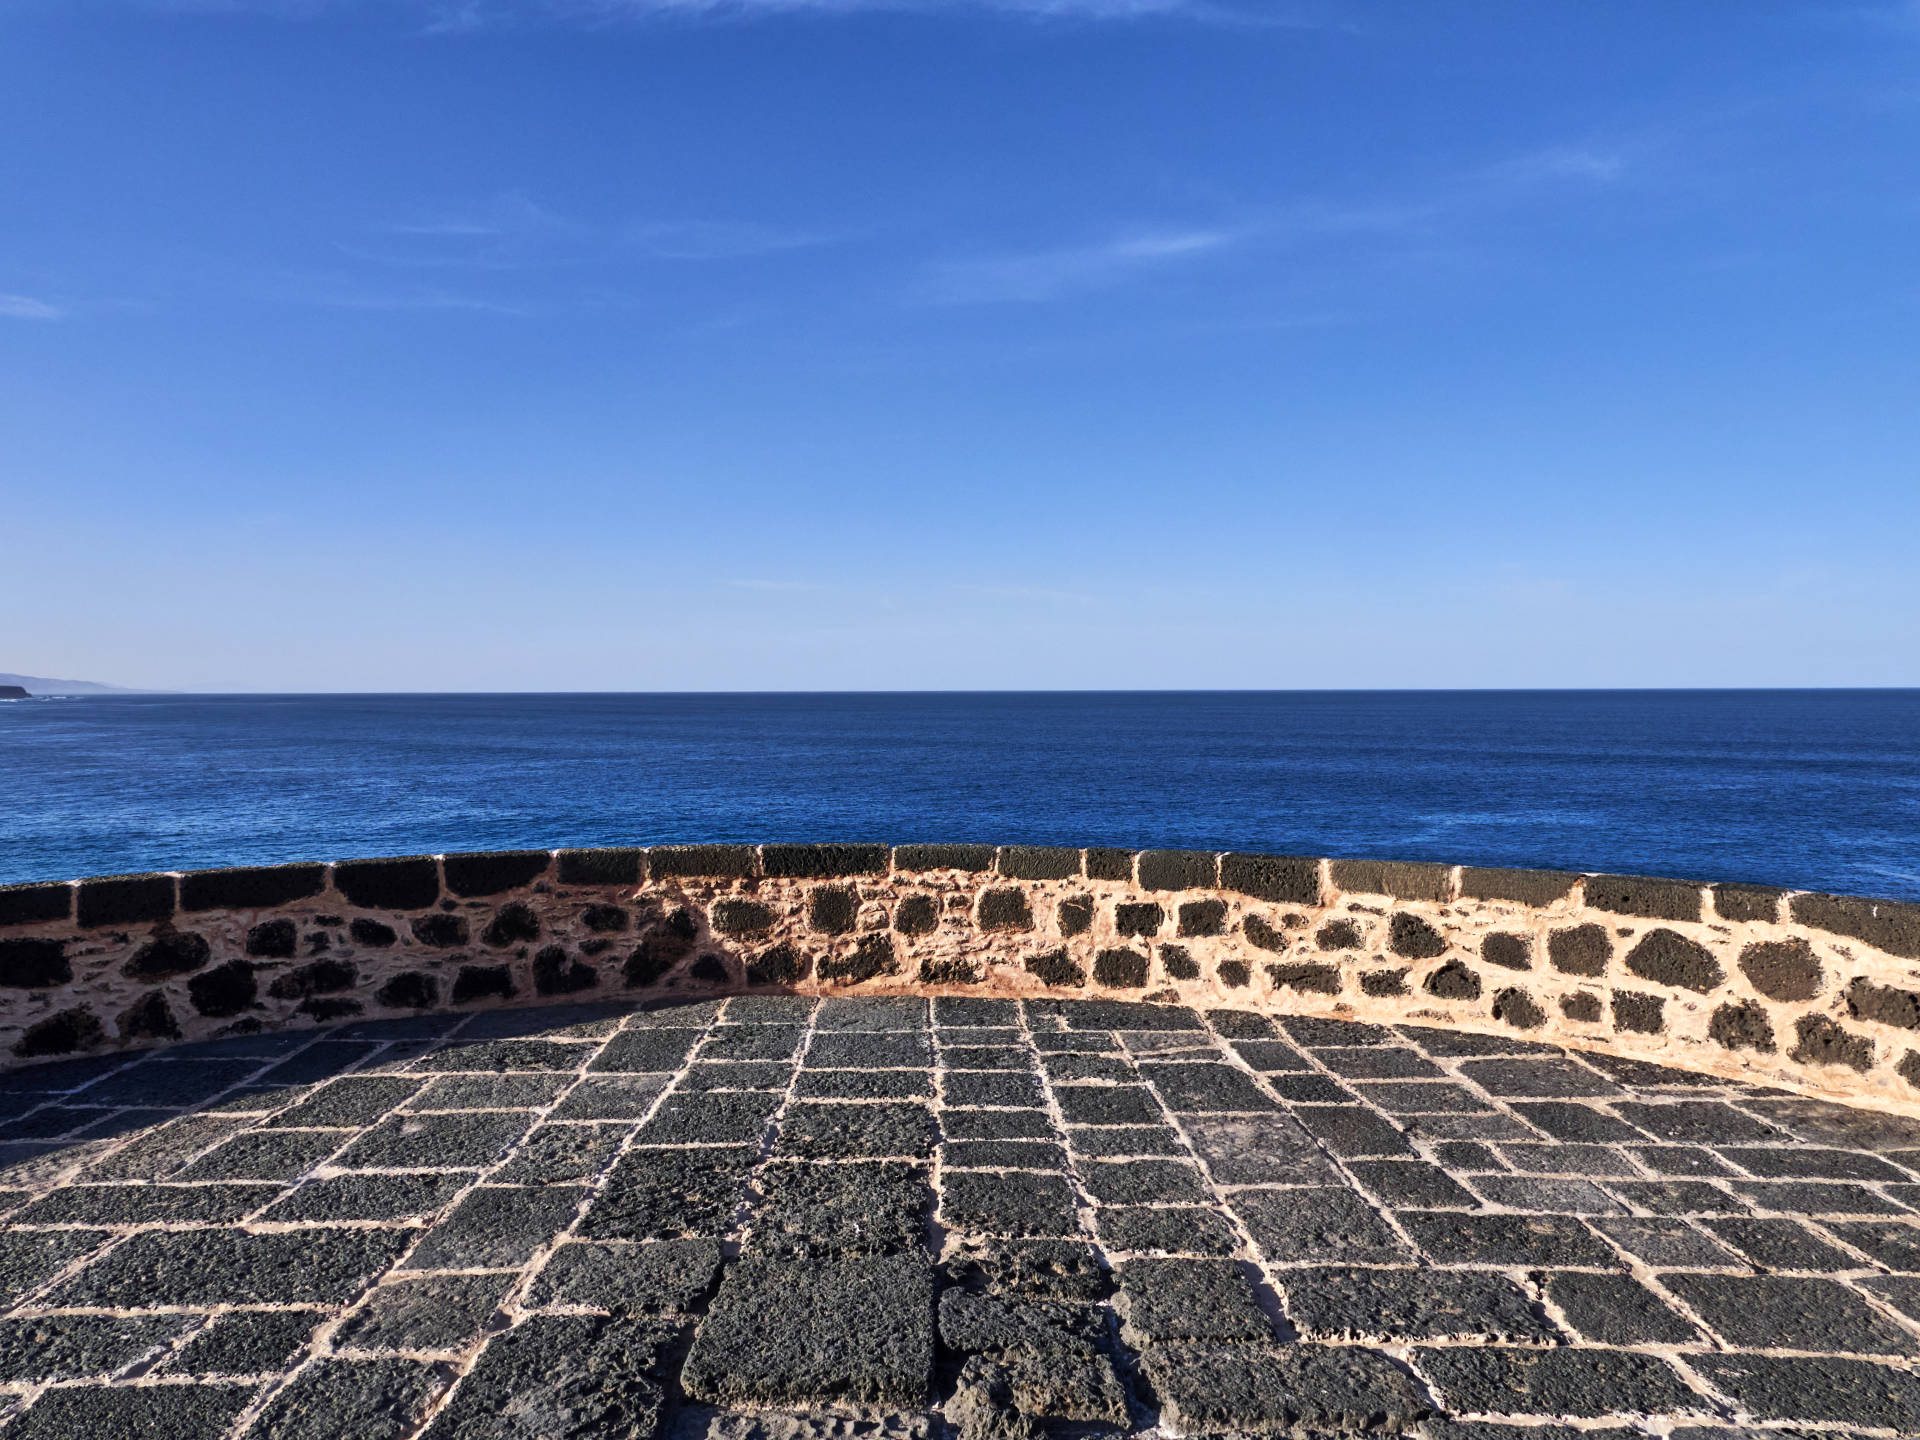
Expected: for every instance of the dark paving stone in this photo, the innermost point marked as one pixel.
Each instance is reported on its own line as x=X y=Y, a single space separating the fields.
x=247 y=1342
x=1849 y=1392
x=1379 y=1062
x=1547 y=1195
x=1483 y=1430
x=472 y=1139
x=1066 y=1068
x=846 y=1131
x=850 y=1208
x=1241 y=1024
x=1544 y=1079
x=160 y=1152
x=1564 y=1120
x=1422 y=1097
x=664 y=1194
x=1317 y=1224
x=991 y=1087
x=1413 y=1185
x=1074 y=1042
x=1112 y=1141
x=1107 y=1105
x=350 y=1103
x=1845 y=1127
x=1226 y=1389
x=1616 y=1310
x=736 y=1075
x=1129 y=1015
x=1780 y=1245
x=769 y=1010
x=805 y=1332
x=666 y=1276
x=67 y=1347
x=1532 y=1240
x=231 y=1267
x=1809 y=1162
x=1902 y=1292
x=984 y=1057
x=1207 y=1089
x=1588 y=1160
x=1468 y=1127
x=752 y=1042
x=996 y=1125
x=1643 y=1074
x=557 y=1375
x=367 y=1399
x=718 y=1119
x=1311 y=1090
x=1316 y=1033
x=1892 y=1243
x=1695 y=1122
x=561 y=1154
x=551 y=1021
x=436 y=1312
x=371 y=1197
x=1397 y=1305
x=265 y=1155
x=1772 y=1312
x=1351 y=1130
x=1680 y=1160
x=1661 y=1241
x=1162 y=1300
x=1815 y=1198
x=980 y=1035
x=1678 y=1197
x=1143 y=1182
x=652 y=1049
x=888 y=1013
x=1016 y=1204
x=1045 y=1269
x=521 y=1091
x=146 y=1204
x=1584 y=1383
x=497 y=1227
x=1175 y=1230
x=869 y=1050
x=502 y=1055
x=1463 y=1044
x=1467 y=1155
x=316 y=1063
x=1002 y=1155
x=1271 y=1055
x=170 y=1083
x=189 y=1412
x=28 y=1260
x=865 y=1084
x=962 y=1011
x=610 y=1097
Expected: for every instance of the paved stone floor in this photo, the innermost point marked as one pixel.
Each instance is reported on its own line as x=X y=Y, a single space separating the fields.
x=775 y=1218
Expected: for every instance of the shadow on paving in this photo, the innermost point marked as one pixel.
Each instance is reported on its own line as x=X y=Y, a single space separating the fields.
x=770 y=1218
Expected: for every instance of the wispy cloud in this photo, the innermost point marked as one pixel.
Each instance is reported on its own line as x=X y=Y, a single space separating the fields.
x=25 y=307
x=1050 y=274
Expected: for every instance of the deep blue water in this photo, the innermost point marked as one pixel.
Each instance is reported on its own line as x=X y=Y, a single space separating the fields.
x=1813 y=789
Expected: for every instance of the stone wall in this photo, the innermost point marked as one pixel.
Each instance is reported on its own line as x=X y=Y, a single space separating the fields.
x=1817 y=993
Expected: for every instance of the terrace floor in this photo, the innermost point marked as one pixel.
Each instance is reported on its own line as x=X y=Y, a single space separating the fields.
x=772 y=1218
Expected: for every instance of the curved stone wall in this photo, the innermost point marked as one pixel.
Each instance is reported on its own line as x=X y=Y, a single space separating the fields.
x=1818 y=993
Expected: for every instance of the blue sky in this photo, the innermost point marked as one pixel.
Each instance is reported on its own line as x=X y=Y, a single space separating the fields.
x=660 y=344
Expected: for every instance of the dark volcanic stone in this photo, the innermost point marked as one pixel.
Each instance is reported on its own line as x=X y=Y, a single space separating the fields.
x=514 y=923
x=1282 y=879
x=780 y=965
x=149 y=1018
x=1413 y=1185
x=1317 y=1224
x=1340 y=934
x=247 y=1342
x=480 y=982
x=733 y=1117
x=473 y=1138
x=1646 y=898
x=1203 y=917
x=608 y=866
x=668 y=1275
x=1319 y=979
x=1207 y=1088
x=251 y=888
x=557 y=973
x=1350 y=1130
x=1261 y=935
x=410 y=990
x=1415 y=938
x=1005 y=910
x=1633 y=1011
x=662 y=1194
x=1452 y=1238
x=1164 y=1300
x=1237 y=974
x=605 y=919
x=1547 y=1079
x=917 y=915
x=411 y=883
x=1055 y=968
x=1582 y=950
x=353 y=1102
x=490 y=872
x=1171 y=1230
x=367 y=1399
x=825 y=1131
x=66 y=1347
x=1179 y=963
x=1138 y=918
x=1582 y=1006
x=1177 y=870
x=1783 y=969
x=800 y=1332
x=369 y=1197
x=1701 y=1122
x=720 y=862
x=1250 y=1389
x=810 y=862
x=1780 y=1244
x=1398 y=1305
x=556 y=1375
x=971 y=858
x=1742 y=1027
x=1616 y=1310
x=1517 y=1008
x=215 y=1267
x=1121 y=969
x=1401 y=879
x=435 y=1312
x=125 y=900
x=320 y=977
x=1747 y=902
x=34 y=964
x=1511 y=952
x=497 y=1228
x=1849 y=1392
x=372 y=933
x=1667 y=957
x=1883 y=1004
x=130 y=1413
x=1824 y=1043
x=1528 y=887
x=438 y=931
x=224 y=990
x=35 y=904
x=1453 y=981
x=872 y=956
x=1585 y=1383
x=1258 y=1150
x=168 y=953
x=1016 y=1203
x=1039 y=862
x=741 y=917
x=1384 y=983
x=1884 y=924
x=1775 y=1312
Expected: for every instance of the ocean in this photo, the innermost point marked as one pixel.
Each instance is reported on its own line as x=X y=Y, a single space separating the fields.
x=1809 y=789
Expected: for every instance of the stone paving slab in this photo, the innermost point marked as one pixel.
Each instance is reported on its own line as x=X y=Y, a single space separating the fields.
x=777 y=1218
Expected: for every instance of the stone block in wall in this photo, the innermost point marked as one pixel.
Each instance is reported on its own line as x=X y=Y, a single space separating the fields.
x=409 y=882
x=1509 y=952
x=734 y=916
x=1005 y=909
x=1203 y=917
x=373 y=934
x=253 y=887
x=1667 y=957
x=225 y=990
x=1822 y=1042
x=1747 y=902
x=482 y=982
x=125 y=900
x=974 y=859
x=1304 y=975
x=1884 y=924
x=1523 y=887
x=168 y=953
x=916 y=915
x=1179 y=963
x=493 y=872
x=1402 y=879
x=35 y=904
x=1140 y=917
x=609 y=866
x=1039 y=862
x=1517 y=1008
x=275 y=939
x=70 y=1032
x=1075 y=915
x=1634 y=1011
x=1582 y=1006
x=1742 y=1027
x=1261 y=935
x=1283 y=879
x=1178 y=870
x=701 y=862
x=1385 y=984
x=1055 y=967
x=1109 y=864
x=1120 y=969
x=440 y=931
x=1580 y=950
x=514 y=923
x=814 y=862
x=780 y=965
x=1415 y=938
x=1650 y=899
x=1883 y=1004
x=1783 y=969
x=34 y=964
x=1341 y=934
x=831 y=909
x=1453 y=981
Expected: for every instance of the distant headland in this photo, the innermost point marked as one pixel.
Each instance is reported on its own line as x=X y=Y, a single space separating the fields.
x=22 y=687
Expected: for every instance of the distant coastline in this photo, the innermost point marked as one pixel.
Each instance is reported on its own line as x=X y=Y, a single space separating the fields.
x=39 y=685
